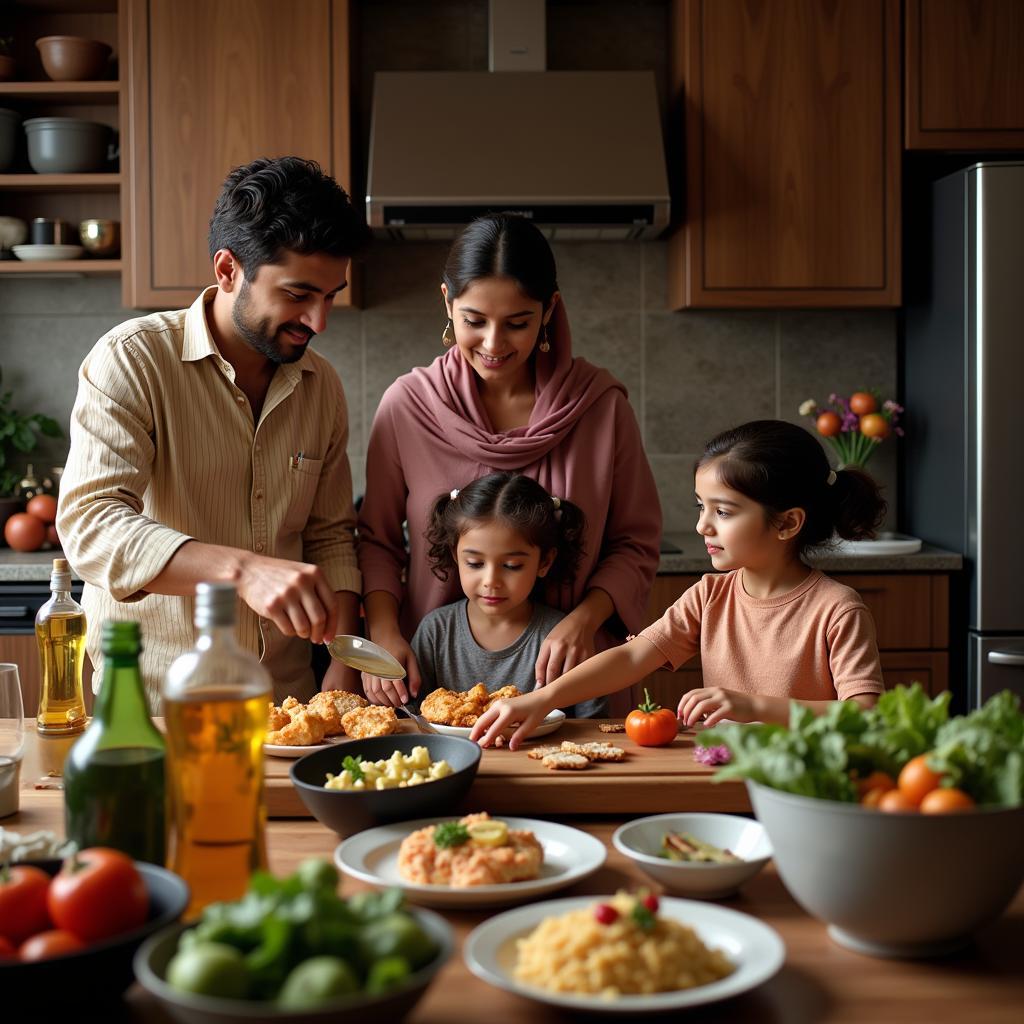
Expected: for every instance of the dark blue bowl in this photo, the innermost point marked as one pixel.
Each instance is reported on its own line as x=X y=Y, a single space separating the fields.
x=351 y=811
x=104 y=969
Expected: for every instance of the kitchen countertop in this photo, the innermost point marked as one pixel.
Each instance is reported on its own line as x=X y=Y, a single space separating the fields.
x=689 y=557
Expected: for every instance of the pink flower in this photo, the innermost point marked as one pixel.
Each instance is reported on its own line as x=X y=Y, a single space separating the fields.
x=712 y=755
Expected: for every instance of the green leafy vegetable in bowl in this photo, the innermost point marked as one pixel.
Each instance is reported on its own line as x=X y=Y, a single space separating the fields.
x=823 y=755
x=294 y=941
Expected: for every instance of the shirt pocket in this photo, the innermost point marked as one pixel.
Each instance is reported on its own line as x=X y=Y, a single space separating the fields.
x=303 y=479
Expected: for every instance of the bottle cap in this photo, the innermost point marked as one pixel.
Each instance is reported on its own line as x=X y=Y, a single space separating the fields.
x=215 y=604
x=121 y=637
x=60 y=576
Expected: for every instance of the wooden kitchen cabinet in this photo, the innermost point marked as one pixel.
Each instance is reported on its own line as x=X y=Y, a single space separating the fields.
x=23 y=651
x=964 y=74
x=791 y=116
x=911 y=613
x=210 y=86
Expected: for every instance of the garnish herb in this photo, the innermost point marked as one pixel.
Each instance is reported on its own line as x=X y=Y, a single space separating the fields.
x=450 y=833
x=353 y=766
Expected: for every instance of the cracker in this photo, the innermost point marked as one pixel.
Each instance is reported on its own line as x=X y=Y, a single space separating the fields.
x=539 y=753
x=566 y=762
x=595 y=751
x=612 y=727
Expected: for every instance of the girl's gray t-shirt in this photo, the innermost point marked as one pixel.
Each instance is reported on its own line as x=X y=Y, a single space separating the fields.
x=450 y=657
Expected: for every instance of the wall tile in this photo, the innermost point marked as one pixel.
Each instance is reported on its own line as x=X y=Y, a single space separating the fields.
x=599 y=275
x=612 y=340
x=674 y=477
x=655 y=271
x=705 y=372
x=342 y=345
x=405 y=276
x=31 y=296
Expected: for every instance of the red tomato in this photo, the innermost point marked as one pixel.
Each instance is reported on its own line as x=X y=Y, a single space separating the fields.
x=23 y=902
x=876 y=780
x=946 y=801
x=874 y=425
x=917 y=780
x=829 y=424
x=896 y=801
x=8 y=951
x=651 y=725
x=98 y=893
x=48 y=944
x=25 y=532
x=43 y=506
x=861 y=402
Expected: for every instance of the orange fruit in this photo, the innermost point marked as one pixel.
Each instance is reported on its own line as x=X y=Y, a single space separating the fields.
x=876 y=780
x=946 y=800
x=43 y=506
x=861 y=402
x=25 y=532
x=874 y=425
x=828 y=424
x=917 y=780
x=873 y=797
x=895 y=801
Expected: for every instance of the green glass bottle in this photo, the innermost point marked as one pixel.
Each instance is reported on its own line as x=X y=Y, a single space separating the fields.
x=114 y=791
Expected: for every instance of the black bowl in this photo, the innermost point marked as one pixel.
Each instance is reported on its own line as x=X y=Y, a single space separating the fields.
x=151 y=969
x=351 y=811
x=105 y=968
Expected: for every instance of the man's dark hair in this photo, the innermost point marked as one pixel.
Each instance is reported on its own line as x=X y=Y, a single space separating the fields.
x=284 y=204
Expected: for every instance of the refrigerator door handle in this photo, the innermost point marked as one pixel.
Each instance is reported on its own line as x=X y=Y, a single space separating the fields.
x=1014 y=659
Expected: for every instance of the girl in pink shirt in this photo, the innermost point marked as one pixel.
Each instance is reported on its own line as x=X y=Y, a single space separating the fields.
x=769 y=629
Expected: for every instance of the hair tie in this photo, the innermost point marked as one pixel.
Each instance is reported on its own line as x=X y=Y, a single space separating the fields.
x=454 y=493
x=831 y=479
x=557 y=502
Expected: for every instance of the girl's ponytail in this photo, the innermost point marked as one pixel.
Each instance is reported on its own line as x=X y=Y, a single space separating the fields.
x=857 y=505
x=571 y=524
x=442 y=535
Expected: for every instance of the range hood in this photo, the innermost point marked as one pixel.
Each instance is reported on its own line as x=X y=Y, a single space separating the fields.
x=579 y=152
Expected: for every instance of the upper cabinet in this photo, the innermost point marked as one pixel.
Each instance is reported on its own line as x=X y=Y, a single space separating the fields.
x=792 y=153
x=965 y=74
x=210 y=86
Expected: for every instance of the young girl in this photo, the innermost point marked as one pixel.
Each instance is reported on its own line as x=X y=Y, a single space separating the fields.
x=768 y=627
x=503 y=534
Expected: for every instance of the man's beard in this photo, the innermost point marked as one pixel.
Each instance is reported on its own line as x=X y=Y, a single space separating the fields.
x=257 y=332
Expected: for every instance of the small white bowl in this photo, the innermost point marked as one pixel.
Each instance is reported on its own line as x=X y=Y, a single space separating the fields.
x=48 y=252
x=640 y=840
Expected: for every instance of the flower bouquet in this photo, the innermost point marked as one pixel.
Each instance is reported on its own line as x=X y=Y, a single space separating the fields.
x=854 y=426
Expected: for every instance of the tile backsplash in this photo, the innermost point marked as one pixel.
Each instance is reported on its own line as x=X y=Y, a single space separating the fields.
x=689 y=375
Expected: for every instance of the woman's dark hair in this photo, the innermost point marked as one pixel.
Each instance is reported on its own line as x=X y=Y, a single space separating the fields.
x=781 y=466
x=269 y=207
x=551 y=524
x=502 y=245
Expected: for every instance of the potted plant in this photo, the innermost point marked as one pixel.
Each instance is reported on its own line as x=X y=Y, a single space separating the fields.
x=7 y=65
x=19 y=432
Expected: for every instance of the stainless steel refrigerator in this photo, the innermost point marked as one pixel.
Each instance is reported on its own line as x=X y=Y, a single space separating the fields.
x=964 y=387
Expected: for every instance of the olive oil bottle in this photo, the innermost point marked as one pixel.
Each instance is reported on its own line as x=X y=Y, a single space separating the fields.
x=114 y=791
x=60 y=633
x=215 y=706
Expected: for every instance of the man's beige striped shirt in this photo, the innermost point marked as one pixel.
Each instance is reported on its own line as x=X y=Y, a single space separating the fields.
x=164 y=450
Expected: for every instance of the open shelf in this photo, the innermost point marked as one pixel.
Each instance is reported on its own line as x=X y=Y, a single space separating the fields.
x=95 y=182
x=61 y=92
x=82 y=266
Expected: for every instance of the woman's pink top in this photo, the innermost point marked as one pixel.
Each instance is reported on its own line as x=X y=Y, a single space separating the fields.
x=431 y=434
x=815 y=643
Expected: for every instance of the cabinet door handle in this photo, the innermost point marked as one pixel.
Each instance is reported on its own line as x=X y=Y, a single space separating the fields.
x=1015 y=659
x=14 y=611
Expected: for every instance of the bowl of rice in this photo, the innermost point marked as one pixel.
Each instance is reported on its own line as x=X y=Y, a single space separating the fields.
x=624 y=954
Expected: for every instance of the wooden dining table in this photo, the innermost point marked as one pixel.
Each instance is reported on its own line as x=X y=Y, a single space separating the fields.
x=820 y=981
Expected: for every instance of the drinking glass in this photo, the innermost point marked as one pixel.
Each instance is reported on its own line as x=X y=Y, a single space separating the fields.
x=12 y=737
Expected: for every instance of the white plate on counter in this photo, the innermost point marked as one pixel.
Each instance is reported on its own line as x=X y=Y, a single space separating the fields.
x=48 y=252
x=883 y=544
x=552 y=722
x=283 y=750
x=569 y=855
x=756 y=949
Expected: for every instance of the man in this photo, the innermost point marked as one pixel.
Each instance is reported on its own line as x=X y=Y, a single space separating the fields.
x=209 y=443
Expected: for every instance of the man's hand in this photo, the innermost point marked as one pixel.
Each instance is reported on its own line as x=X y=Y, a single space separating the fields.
x=295 y=596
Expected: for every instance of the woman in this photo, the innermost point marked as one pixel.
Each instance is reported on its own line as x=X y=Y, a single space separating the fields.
x=507 y=396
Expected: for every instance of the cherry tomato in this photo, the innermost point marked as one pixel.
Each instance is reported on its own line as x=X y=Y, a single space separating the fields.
x=49 y=944
x=23 y=902
x=43 y=506
x=829 y=424
x=8 y=951
x=873 y=797
x=896 y=801
x=874 y=425
x=917 y=779
x=651 y=725
x=98 y=893
x=946 y=800
x=876 y=780
x=862 y=402
x=24 y=532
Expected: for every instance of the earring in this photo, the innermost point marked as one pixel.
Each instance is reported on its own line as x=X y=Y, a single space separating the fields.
x=545 y=345
x=447 y=337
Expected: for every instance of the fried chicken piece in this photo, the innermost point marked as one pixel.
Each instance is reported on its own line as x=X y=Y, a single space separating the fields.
x=292 y=705
x=440 y=705
x=304 y=730
x=505 y=693
x=374 y=720
x=276 y=718
x=332 y=706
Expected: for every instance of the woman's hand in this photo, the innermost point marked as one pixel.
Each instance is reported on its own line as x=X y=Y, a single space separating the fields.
x=394 y=692
x=529 y=710
x=569 y=644
x=709 y=705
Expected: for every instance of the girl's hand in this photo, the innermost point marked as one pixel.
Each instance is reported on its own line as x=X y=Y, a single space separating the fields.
x=529 y=710
x=709 y=705
x=394 y=692
x=569 y=644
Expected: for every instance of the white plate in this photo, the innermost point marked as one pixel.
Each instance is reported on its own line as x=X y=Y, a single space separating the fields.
x=569 y=855
x=884 y=544
x=756 y=949
x=552 y=722
x=48 y=252
x=282 y=750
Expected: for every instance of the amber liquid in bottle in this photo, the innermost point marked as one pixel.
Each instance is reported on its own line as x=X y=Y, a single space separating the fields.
x=60 y=633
